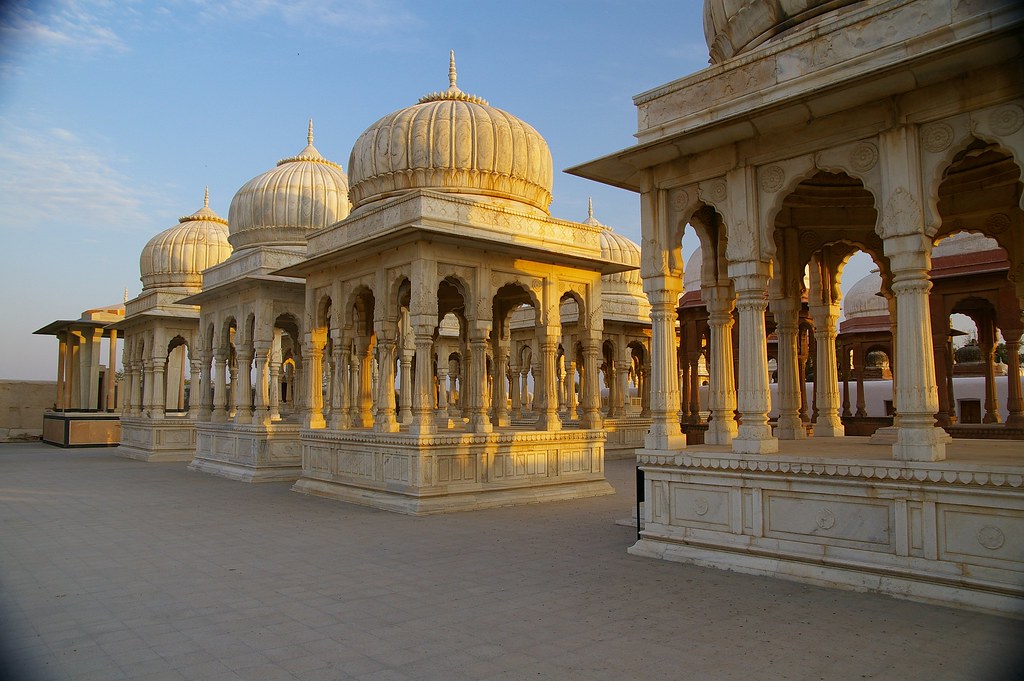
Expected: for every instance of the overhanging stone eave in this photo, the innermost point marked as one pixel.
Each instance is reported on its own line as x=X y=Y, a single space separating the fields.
x=242 y=283
x=704 y=130
x=443 y=233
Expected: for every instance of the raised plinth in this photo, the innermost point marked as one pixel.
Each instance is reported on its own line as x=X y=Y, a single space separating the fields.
x=247 y=452
x=167 y=439
x=949 y=532
x=625 y=436
x=452 y=471
x=81 y=429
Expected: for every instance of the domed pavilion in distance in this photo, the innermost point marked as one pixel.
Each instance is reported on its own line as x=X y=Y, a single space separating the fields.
x=161 y=338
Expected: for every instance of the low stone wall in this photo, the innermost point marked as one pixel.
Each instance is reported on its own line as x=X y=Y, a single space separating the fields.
x=22 y=404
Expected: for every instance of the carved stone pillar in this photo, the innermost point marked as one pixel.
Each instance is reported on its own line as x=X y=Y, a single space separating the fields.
x=261 y=394
x=1014 y=400
x=243 y=396
x=442 y=391
x=590 y=386
x=232 y=393
x=843 y=362
x=939 y=338
x=475 y=383
x=195 y=382
x=643 y=388
x=787 y=320
x=547 y=388
x=405 y=385
x=722 y=426
x=917 y=400
x=147 y=396
x=526 y=403
x=514 y=391
x=159 y=394
x=828 y=423
x=422 y=417
x=754 y=435
x=859 y=359
x=987 y=343
x=571 y=400
x=340 y=352
x=694 y=376
x=385 y=420
x=500 y=397
x=361 y=373
x=665 y=432
x=561 y=375
x=804 y=350
x=220 y=388
x=204 y=396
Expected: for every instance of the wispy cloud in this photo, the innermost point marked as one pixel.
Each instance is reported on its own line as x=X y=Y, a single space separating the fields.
x=81 y=25
x=354 y=16
x=51 y=178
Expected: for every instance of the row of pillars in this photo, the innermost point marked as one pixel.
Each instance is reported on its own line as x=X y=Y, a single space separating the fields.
x=78 y=371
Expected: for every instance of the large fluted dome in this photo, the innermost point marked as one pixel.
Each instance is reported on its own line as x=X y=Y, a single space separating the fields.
x=302 y=194
x=176 y=257
x=735 y=26
x=452 y=142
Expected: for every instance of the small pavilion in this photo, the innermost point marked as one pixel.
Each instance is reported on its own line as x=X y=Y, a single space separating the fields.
x=84 y=414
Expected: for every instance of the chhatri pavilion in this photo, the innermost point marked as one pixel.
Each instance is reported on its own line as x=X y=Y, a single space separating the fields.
x=818 y=130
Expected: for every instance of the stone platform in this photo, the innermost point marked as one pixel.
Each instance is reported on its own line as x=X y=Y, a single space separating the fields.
x=453 y=470
x=842 y=513
x=247 y=452
x=168 y=439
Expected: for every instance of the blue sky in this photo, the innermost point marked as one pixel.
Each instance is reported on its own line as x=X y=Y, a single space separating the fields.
x=114 y=115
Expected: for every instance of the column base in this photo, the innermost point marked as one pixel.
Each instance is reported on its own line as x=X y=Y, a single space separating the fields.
x=829 y=428
x=790 y=429
x=422 y=429
x=920 y=444
x=755 y=439
x=663 y=436
x=720 y=432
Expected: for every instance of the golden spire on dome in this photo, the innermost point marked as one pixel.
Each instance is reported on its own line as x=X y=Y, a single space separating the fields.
x=310 y=153
x=204 y=213
x=453 y=92
x=591 y=220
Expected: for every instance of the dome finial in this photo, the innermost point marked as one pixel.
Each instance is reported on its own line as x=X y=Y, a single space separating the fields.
x=452 y=75
x=206 y=197
x=590 y=207
x=309 y=135
x=126 y=295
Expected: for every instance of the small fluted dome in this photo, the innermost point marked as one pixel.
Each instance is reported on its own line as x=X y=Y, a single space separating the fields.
x=302 y=194
x=862 y=300
x=963 y=243
x=620 y=288
x=452 y=142
x=735 y=26
x=176 y=257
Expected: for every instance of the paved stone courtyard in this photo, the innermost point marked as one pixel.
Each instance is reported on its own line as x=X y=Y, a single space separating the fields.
x=115 y=569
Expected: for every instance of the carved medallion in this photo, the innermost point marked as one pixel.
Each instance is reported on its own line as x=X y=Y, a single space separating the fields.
x=864 y=157
x=997 y=223
x=679 y=199
x=936 y=137
x=991 y=537
x=700 y=506
x=1006 y=120
x=772 y=179
x=718 y=190
x=809 y=240
x=826 y=520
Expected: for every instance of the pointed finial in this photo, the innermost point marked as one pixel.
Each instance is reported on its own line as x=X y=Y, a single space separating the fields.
x=590 y=207
x=126 y=295
x=451 y=70
x=206 y=197
x=309 y=135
